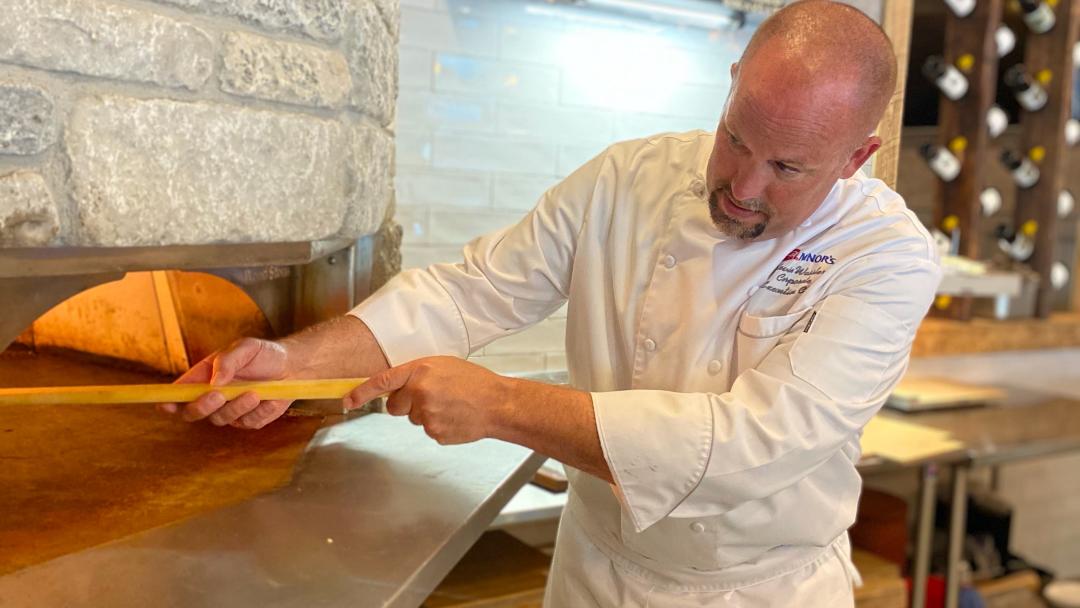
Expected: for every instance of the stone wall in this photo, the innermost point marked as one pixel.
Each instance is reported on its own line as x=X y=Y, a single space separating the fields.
x=148 y=122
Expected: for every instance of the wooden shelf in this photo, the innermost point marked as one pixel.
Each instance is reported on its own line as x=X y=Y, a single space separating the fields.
x=949 y=337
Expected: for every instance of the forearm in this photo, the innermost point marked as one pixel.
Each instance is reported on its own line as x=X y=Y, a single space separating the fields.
x=555 y=421
x=343 y=347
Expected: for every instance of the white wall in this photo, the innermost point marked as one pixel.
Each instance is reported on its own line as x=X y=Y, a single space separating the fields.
x=500 y=99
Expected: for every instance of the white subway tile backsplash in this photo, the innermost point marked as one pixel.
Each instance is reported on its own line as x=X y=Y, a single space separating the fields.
x=493 y=154
x=459 y=226
x=520 y=191
x=727 y=42
x=573 y=156
x=520 y=42
x=412 y=149
x=448 y=32
x=698 y=101
x=414 y=70
x=706 y=69
x=633 y=126
x=445 y=113
x=620 y=93
x=456 y=73
x=422 y=256
x=442 y=188
x=414 y=225
x=499 y=98
x=547 y=121
x=501 y=9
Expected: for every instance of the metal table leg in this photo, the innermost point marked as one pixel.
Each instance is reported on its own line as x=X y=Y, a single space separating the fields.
x=957 y=532
x=924 y=538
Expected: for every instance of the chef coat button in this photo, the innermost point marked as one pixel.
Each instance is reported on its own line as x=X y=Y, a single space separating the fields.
x=669 y=261
x=715 y=367
x=649 y=344
x=698 y=187
x=698 y=527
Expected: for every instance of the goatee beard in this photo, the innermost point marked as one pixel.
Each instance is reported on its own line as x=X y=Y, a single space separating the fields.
x=729 y=225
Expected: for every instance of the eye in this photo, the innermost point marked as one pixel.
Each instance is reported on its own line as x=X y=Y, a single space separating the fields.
x=786 y=168
x=734 y=140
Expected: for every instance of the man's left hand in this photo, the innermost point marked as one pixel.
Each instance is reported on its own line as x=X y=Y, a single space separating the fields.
x=454 y=400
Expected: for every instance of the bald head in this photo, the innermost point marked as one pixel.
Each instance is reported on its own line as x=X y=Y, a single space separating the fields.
x=822 y=47
x=804 y=101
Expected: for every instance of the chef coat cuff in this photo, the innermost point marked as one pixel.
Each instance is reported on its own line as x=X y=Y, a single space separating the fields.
x=413 y=316
x=657 y=445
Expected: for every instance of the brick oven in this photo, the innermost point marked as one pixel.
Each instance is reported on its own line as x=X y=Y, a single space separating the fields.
x=245 y=138
x=175 y=174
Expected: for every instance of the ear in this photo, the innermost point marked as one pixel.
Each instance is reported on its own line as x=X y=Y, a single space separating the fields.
x=860 y=156
x=734 y=70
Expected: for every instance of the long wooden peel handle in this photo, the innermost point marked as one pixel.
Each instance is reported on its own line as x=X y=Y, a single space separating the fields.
x=177 y=393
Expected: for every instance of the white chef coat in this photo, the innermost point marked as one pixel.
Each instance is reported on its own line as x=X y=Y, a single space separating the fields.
x=731 y=379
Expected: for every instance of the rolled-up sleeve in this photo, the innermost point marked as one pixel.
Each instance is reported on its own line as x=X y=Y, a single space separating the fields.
x=703 y=454
x=507 y=281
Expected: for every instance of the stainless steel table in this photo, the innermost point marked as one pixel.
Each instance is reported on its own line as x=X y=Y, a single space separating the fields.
x=376 y=515
x=929 y=472
x=1028 y=425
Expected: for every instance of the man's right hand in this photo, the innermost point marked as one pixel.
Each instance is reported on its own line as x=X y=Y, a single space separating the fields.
x=247 y=359
x=343 y=347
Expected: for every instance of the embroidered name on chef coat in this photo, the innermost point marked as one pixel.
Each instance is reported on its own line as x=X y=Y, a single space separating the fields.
x=798 y=270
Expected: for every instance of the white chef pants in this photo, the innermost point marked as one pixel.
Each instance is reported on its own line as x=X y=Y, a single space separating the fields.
x=584 y=576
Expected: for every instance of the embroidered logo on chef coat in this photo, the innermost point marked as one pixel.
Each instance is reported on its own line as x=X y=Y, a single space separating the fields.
x=799 y=269
x=798 y=255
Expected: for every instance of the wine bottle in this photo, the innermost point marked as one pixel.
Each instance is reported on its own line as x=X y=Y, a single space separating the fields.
x=996 y=121
x=1059 y=275
x=961 y=8
x=1038 y=15
x=947 y=78
x=1024 y=172
x=951 y=226
x=1065 y=203
x=1072 y=132
x=1004 y=39
x=990 y=201
x=1031 y=95
x=1020 y=244
x=941 y=161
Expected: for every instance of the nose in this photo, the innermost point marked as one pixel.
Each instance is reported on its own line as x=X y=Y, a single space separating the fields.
x=749 y=181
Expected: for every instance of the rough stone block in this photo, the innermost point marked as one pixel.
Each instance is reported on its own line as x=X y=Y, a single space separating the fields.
x=370 y=158
x=147 y=172
x=27 y=125
x=387 y=259
x=99 y=38
x=373 y=60
x=321 y=19
x=391 y=14
x=253 y=66
x=28 y=215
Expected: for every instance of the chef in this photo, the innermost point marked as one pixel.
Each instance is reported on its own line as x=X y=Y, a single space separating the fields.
x=739 y=305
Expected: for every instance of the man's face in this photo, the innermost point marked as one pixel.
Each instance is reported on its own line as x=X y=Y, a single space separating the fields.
x=774 y=160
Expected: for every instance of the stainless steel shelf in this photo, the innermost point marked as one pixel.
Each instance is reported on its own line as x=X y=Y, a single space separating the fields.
x=377 y=514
